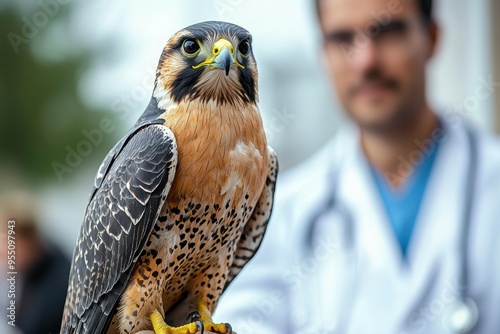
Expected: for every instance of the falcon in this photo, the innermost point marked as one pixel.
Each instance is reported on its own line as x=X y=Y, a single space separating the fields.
x=181 y=203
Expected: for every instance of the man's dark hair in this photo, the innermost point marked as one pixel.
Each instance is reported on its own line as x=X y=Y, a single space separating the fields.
x=424 y=5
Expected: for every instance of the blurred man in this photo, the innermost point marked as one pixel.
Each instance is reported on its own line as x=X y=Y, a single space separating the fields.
x=34 y=290
x=393 y=227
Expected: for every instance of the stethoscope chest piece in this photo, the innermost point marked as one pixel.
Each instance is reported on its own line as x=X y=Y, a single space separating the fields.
x=461 y=316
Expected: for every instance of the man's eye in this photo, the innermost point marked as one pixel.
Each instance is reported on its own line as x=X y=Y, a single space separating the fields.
x=394 y=28
x=340 y=38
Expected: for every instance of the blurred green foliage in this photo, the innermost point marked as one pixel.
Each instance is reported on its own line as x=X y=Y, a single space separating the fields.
x=41 y=111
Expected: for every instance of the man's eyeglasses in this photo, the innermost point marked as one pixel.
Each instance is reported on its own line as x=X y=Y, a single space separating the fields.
x=391 y=37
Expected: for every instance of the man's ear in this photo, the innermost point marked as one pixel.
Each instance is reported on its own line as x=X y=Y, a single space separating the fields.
x=434 y=38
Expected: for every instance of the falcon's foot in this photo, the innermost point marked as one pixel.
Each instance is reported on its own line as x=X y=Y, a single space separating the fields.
x=160 y=327
x=209 y=325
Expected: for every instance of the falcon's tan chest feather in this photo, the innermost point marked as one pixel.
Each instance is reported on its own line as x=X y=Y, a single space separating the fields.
x=215 y=155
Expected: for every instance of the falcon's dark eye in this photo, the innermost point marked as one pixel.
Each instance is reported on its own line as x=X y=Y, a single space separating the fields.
x=244 y=47
x=190 y=46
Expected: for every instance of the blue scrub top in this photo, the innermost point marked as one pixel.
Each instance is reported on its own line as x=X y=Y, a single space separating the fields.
x=402 y=205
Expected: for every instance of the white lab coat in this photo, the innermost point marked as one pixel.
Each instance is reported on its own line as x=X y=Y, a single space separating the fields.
x=353 y=280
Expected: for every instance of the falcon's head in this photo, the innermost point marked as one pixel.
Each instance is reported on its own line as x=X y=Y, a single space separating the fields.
x=211 y=62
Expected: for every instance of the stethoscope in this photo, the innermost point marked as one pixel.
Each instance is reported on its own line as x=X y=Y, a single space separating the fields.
x=460 y=316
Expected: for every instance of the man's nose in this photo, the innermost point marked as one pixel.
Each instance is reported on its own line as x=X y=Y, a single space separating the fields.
x=366 y=56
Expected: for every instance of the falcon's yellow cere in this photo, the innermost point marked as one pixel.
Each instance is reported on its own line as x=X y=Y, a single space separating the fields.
x=181 y=203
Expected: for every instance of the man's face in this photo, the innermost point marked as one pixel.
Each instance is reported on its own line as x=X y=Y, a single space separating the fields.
x=376 y=52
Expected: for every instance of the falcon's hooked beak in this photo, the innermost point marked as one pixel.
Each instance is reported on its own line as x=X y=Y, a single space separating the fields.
x=222 y=57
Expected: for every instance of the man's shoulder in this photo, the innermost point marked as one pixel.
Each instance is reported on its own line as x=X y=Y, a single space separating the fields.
x=489 y=157
x=491 y=145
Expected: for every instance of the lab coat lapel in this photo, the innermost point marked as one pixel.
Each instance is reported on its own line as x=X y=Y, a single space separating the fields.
x=378 y=255
x=373 y=231
x=434 y=245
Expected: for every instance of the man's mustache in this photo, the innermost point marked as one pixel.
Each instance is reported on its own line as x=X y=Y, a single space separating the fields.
x=375 y=77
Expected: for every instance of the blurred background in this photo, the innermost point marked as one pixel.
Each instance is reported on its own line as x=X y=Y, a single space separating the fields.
x=75 y=75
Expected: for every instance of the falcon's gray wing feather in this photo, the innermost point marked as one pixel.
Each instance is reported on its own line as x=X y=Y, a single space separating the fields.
x=254 y=230
x=113 y=154
x=130 y=189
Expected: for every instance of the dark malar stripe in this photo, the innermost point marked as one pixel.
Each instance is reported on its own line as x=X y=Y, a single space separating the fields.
x=184 y=83
x=248 y=83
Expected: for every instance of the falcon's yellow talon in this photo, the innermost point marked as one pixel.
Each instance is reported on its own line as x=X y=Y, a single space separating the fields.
x=219 y=328
x=160 y=327
x=206 y=318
